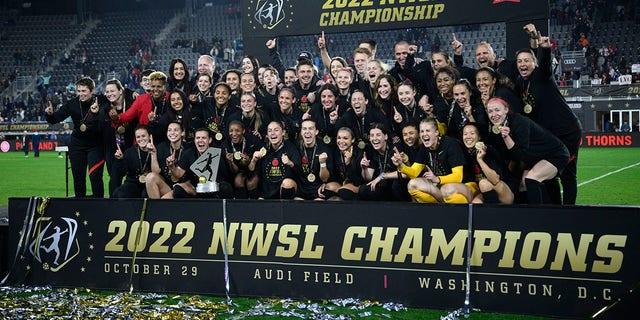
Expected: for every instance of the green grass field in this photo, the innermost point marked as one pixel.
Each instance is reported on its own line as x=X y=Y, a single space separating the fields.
x=606 y=176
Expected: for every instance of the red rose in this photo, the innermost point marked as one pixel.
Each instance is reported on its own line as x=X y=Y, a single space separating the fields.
x=275 y=162
x=303 y=99
x=304 y=159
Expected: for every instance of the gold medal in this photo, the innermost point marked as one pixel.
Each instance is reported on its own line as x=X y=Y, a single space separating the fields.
x=326 y=139
x=479 y=145
x=263 y=151
x=496 y=129
x=528 y=108
x=361 y=144
x=142 y=178
x=218 y=136
x=237 y=155
x=311 y=177
x=121 y=129
x=151 y=116
x=83 y=127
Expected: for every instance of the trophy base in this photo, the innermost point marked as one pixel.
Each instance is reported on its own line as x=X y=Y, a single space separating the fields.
x=207 y=188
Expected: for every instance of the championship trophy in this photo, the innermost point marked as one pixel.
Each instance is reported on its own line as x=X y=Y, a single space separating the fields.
x=206 y=169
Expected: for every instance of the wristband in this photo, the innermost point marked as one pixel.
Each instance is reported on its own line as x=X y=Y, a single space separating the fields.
x=323 y=165
x=381 y=176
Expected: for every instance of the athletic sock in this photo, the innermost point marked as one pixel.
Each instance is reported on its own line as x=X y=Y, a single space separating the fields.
x=253 y=193
x=328 y=194
x=347 y=194
x=241 y=193
x=490 y=197
x=179 y=192
x=535 y=191
x=287 y=193
x=553 y=190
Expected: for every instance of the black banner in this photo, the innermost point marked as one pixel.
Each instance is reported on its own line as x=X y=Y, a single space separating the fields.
x=610 y=139
x=31 y=126
x=524 y=260
x=601 y=90
x=269 y=18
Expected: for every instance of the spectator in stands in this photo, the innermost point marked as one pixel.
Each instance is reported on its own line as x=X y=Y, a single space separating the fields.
x=584 y=42
x=86 y=150
x=145 y=81
x=625 y=126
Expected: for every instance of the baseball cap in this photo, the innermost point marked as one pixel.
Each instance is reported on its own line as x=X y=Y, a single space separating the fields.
x=305 y=55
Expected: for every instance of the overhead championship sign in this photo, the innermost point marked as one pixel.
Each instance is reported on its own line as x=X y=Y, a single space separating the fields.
x=566 y=262
x=294 y=17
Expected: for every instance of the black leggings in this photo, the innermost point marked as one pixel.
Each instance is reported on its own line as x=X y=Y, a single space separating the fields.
x=82 y=158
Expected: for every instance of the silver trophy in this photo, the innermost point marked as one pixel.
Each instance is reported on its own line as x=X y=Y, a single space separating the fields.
x=206 y=168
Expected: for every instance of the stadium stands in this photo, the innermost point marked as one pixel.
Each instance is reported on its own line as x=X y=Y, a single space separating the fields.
x=106 y=45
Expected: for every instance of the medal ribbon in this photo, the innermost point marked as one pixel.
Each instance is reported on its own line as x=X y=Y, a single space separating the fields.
x=313 y=157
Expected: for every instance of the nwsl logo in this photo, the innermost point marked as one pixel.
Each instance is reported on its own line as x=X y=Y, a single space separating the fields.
x=269 y=13
x=55 y=244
